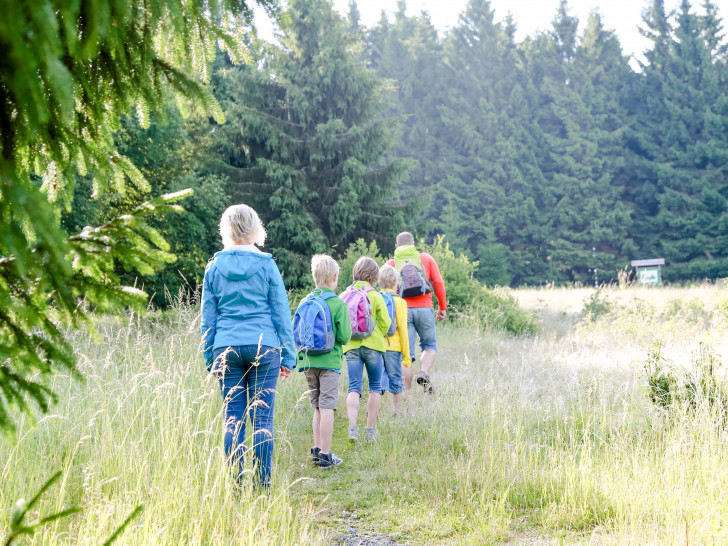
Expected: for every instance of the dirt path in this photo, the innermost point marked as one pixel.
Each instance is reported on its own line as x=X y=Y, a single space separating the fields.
x=353 y=537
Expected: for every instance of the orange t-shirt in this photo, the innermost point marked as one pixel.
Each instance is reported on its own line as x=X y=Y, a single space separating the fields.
x=432 y=274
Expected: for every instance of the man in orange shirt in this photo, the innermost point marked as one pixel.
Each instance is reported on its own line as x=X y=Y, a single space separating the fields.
x=419 y=276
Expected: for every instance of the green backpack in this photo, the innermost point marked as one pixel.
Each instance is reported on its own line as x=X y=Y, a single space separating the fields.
x=413 y=280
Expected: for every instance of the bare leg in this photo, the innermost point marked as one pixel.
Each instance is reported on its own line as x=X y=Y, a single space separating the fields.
x=375 y=400
x=352 y=407
x=317 y=427
x=407 y=375
x=427 y=359
x=326 y=429
x=397 y=401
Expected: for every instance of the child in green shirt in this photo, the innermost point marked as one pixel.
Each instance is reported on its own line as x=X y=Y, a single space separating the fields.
x=323 y=370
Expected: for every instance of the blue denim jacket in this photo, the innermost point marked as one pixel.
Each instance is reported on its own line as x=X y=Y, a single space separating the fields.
x=244 y=302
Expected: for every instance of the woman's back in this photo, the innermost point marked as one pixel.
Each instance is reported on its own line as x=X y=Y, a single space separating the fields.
x=250 y=301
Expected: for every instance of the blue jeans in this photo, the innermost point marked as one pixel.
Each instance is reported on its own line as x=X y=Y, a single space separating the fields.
x=392 y=376
x=421 y=322
x=248 y=376
x=373 y=361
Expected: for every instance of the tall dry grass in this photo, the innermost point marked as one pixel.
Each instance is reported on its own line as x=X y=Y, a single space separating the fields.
x=532 y=439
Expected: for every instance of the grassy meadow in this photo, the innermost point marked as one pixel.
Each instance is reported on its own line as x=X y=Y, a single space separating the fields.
x=542 y=439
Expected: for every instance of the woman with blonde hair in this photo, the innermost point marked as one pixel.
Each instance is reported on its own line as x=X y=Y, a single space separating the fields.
x=247 y=336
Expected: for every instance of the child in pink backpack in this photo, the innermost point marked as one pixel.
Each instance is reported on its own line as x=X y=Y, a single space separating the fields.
x=369 y=324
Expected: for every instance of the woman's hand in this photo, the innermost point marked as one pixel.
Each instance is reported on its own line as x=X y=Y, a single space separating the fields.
x=285 y=372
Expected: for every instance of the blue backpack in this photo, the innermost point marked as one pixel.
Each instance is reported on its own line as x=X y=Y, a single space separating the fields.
x=391 y=309
x=313 y=331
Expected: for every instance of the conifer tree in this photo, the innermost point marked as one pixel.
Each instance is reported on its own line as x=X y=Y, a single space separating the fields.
x=711 y=26
x=408 y=52
x=644 y=136
x=680 y=149
x=693 y=204
x=580 y=84
x=306 y=141
x=70 y=71
x=489 y=196
x=171 y=156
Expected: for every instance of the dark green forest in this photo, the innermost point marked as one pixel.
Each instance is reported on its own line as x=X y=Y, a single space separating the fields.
x=542 y=160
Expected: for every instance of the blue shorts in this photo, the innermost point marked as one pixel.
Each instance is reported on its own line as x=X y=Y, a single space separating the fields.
x=356 y=361
x=392 y=376
x=421 y=321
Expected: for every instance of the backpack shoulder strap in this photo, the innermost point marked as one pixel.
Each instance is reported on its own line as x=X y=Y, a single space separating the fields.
x=327 y=295
x=422 y=267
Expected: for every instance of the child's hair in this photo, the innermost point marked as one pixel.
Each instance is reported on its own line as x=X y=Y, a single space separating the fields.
x=388 y=277
x=366 y=269
x=324 y=269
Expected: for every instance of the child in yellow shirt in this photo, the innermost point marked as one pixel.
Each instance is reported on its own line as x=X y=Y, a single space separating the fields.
x=398 y=350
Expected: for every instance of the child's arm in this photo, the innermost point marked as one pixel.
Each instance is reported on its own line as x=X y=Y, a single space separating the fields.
x=401 y=317
x=341 y=320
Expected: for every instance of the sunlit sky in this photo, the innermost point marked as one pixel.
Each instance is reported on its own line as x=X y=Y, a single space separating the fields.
x=531 y=16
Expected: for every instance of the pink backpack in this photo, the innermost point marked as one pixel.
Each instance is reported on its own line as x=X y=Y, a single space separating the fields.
x=360 y=311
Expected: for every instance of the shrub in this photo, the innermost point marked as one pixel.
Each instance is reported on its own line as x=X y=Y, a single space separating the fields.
x=497 y=308
x=596 y=305
x=467 y=299
x=355 y=251
x=463 y=290
x=671 y=388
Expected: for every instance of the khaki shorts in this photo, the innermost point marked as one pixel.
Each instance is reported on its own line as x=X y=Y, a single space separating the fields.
x=323 y=387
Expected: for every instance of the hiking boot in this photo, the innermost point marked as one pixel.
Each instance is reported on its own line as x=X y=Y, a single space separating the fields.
x=328 y=460
x=371 y=434
x=423 y=379
x=353 y=433
x=315 y=454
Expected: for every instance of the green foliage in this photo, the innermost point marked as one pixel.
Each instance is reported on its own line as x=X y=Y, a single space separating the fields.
x=356 y=250
x=596 y=304
x=457 y=271
x=676 y=389
x=167 y=154
x=307 y=141
x=679 y=143
x=41 y=293
x=498 y=309
x=490 y=191
x=408 y=52
x=492 y=307
x=71 y=70
x=551 y=158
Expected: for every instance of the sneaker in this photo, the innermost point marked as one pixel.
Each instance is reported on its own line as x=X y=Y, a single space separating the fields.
x=423 y=379
x=371 y=434
x=353 y=433
x=315 y=454
x=328 y=460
